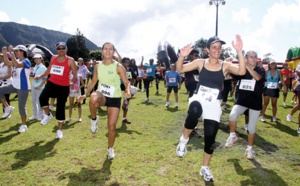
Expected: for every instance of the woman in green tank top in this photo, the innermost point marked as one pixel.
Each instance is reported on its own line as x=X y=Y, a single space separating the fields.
x=108 y=72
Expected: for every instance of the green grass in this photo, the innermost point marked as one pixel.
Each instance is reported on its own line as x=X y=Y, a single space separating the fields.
x=145 y=149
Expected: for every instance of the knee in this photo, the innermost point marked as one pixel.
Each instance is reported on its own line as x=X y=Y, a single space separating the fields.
x=232 y=116
x=194 y=112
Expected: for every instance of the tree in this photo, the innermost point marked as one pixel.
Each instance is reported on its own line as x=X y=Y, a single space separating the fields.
x=267 y=57
x=77 y=47
x=96 y=54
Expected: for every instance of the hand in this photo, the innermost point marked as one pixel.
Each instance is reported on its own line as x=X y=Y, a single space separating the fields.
x=230 y=59
x=4 y=50
x=127 y=95
x=37 y=77
x=10 y=48
x=80 y=98
x=238 y=45
x=185 y=51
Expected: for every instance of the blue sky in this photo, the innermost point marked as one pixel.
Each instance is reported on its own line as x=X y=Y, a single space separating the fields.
x=137 y=26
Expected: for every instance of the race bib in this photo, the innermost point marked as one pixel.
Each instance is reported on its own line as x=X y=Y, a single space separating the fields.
x=284 y=78
x=57 y=70
x=149 y=70
x=196 y=77
x=107 y=90
x=247 y=84
x=272 y=85
x=128 y=75
x=208 y=94
x=157 y=73
x=172 y=80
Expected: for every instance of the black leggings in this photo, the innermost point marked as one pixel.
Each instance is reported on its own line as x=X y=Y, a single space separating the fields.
x=226 y=89
x=147 y=83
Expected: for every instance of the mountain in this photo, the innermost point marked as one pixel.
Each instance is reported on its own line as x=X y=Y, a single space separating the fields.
x=14 y=34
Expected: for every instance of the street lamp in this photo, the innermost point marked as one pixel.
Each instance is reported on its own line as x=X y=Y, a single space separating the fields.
x=217 y=3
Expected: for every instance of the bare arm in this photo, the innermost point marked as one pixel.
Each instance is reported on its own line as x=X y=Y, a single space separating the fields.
x=9 y=73
x=119 y=56
x=187 y=67
x=254 y=74
x=47 y=72
x=72 y=65
x=122 y=73
x=282 y=81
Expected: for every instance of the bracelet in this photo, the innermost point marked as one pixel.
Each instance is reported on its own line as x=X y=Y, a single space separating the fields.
x=239 y=51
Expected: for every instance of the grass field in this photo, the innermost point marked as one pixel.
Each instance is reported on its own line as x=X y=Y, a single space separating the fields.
x=145 y=149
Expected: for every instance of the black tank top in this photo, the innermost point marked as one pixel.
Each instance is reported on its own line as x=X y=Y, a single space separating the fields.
x=211 y=79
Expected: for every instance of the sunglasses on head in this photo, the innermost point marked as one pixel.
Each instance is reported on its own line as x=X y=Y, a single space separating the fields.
x=61 y=48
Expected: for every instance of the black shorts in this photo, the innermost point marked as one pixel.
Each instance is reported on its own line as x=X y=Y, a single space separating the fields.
x=113 y=102
x=273 y=93
x=122 y=86
x=175 y=88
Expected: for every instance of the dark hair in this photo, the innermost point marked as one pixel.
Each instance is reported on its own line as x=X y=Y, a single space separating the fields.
x=125 y=59
x=109 y=44
x=194 y=51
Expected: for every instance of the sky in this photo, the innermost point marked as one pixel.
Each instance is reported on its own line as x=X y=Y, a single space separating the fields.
x=136 y=27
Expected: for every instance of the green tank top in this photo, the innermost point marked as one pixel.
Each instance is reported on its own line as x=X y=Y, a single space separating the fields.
x=109 y=80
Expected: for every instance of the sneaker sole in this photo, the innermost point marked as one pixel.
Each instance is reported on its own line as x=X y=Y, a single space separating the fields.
x=211 y=180
x=226 y=145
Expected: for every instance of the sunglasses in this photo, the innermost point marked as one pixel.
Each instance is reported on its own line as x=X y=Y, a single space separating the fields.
x=60 y=48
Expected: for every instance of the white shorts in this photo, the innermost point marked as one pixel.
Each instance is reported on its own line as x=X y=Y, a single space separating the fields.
x=211 y=111
x=74 y=94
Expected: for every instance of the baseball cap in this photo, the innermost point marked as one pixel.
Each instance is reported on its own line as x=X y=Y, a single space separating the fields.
x=272 y=61
x=61 y=44
x=214 y=39
x=37 y=56
x=21 y=47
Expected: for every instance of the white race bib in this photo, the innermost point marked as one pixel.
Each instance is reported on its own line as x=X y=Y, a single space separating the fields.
x=208 y=94
x=128 y=75
x=57 y=70
x=149 y=70
x=107 y=90
x=196 y=77
x=272 y=85
x=284 y=78
x=247 y=84
x=172 y=80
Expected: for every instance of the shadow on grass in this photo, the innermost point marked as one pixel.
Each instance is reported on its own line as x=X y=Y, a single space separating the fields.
x=33 y=153
x=259 y=141
x=258 y=175
x=283 y=128
x=175 y=109
x=123 y=129
x=90 y=176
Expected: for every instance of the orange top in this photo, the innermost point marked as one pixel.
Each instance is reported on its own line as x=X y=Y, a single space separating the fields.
x=60 y=72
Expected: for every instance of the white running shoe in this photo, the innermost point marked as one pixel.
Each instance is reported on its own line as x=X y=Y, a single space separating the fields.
x=298 y=131
x=46 y=119
x=69 y=119
x=51 y=107
x=176 y=104
x=246 y=126
x=262 y=119
x=59 y=134
x=32 y=118
x=230 y=141
x=7 y=111
x=22 y=128
x=205 y=173
x=167 y=104
x=274 y=119
x=250 y=154
x=284 y=104
x=147 y=100
x=181 y=147
x=111 y=153
x=289 y=117
x=79 y=119
x=94 y=125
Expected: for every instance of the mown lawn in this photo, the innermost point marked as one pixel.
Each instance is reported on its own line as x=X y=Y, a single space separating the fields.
x=145 y=149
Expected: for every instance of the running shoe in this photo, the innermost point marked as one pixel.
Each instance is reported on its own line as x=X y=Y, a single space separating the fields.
x=156 y=93
x=289 y=117
x=59 y=134
x=79 y=119
x=250 y=154
x=69 y=119
x=22 y=128
x=274 y=119
x=262 y=119
x=94 y=125
x=46 y=119
x=206 y=174
x=111 y=153
x=176 y=104
x=284 y=104
x=230 y=141
x=125 y=120
x=7 y=111
x=167 y=104
x=298 y=131
x=33 y=118
x=246 y=126
x=147 y=100
x=51 y=107
x=181 y=147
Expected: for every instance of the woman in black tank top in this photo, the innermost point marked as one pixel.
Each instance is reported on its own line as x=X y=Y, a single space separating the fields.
x=205 y=100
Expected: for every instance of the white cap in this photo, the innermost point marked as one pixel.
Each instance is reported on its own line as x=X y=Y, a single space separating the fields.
x=37 y=56
x=21 y=47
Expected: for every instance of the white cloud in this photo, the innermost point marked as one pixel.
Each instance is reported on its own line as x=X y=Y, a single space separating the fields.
x=241 y=16
x=4 y=17
x=24 y=21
